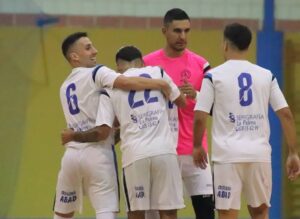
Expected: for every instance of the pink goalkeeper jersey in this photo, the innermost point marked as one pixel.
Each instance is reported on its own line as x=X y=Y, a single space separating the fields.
x=188 y=67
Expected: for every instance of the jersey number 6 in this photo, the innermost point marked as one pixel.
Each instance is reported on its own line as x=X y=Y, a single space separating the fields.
x=72 y=99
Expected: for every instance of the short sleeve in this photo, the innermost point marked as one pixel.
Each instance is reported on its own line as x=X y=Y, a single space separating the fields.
x=105 y=77
x=205 y=97
x=105 y=113
x=277 y=99
x=175 y=92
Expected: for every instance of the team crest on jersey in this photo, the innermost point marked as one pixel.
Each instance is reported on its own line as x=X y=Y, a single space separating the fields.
x=224 y=192
x=185 y=75
x=68 y=197
x=139 y=191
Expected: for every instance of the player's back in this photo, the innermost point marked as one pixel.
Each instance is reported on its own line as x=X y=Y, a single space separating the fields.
x=79 y=98
x=143 y=119
x=240 y=114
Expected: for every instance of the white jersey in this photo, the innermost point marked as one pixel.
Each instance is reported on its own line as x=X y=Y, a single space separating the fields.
x=240 y=93
x=143 y=117
x=79 y=95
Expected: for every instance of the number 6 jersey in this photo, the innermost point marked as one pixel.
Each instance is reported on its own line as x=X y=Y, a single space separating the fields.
x=240 y=93
x=79 y=95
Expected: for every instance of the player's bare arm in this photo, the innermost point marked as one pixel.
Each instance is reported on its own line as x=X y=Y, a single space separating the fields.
x=188 y=90
x=180 y=101
x=140 y=83
x=98 y=133
x=289 y=130
x=199 y=154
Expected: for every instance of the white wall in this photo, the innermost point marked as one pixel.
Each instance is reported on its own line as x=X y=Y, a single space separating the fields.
x=251 y=9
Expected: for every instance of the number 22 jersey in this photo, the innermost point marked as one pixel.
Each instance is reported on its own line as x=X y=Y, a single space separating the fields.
x=240 y=93
x=143 y=117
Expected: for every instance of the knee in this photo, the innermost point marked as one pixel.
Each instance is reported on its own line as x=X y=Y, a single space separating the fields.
x=64 y=215
x=261 y=210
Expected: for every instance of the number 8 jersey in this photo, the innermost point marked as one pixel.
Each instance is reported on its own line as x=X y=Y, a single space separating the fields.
x=240 y=93
x=79 y=95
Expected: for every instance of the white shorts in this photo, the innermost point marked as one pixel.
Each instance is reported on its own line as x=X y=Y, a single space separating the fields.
x=253 y=179
x=197 y=181
x=153 y=183
x=90 y=171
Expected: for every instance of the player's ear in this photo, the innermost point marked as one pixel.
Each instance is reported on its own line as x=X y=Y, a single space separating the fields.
x=164 y=30
x=225 y=45
x=73 y=56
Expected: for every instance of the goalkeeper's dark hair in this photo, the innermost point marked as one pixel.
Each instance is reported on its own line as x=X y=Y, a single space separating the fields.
x=128 y=53
x=70 y=40
x=175 y=14
x=239 y=35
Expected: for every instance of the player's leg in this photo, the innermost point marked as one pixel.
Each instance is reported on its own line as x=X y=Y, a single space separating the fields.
x=204 y=206
x=136 y=214
x=198 y=183
x=228 y=188
x=261 y=212
x=258 y=188
x=228 y=214
x=69 y=188
x=166 y=190
x=152 y=214
x=168 y=214
x=100 y=181
x=136 y=185
x=63 y=216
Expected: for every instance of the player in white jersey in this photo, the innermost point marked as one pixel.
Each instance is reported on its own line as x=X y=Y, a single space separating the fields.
x=240 y=93
x=151 y=172
x=89 y=168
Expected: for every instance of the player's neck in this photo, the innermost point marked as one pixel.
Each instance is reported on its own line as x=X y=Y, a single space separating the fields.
x=236 y=56
x=173 y=53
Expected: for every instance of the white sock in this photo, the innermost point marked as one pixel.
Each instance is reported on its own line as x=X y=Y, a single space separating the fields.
x=106 y=215
x=59 y=217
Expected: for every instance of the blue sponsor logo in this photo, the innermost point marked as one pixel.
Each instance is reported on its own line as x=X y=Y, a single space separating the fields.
x=68 y=197
x=224 y=192
x=139 y=191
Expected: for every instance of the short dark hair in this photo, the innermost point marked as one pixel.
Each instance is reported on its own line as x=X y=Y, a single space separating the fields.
x=128 y=53
x=175 y=14
x=239 y=35
x=70 y=40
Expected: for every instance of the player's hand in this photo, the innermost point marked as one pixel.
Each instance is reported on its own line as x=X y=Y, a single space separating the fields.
x=165 y=89
x=66 y=136
x=188 y=90
x=200 y=157
x=293 y=166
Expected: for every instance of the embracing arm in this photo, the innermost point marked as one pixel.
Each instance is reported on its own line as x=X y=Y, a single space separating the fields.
x=141 y=83
x=96 y=134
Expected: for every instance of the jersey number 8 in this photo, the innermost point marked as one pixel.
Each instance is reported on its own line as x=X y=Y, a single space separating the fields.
x=245 y=82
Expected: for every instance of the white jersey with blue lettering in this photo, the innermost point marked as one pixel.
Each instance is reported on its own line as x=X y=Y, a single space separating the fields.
x=79 y=95
x=143 y=117
x=240 y=93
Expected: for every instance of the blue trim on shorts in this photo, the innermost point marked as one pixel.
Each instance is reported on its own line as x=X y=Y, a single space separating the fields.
x=126 y=191
x=116 y=169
